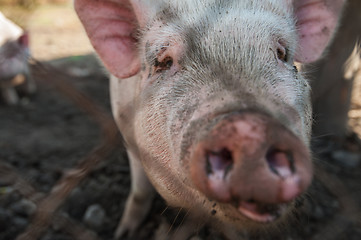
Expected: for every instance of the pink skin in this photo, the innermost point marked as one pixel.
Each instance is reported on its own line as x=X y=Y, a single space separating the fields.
x=111 y=27
x=316 y=22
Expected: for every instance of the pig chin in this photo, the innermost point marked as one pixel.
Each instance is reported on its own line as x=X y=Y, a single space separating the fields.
x=250 y=164
x=256 y=213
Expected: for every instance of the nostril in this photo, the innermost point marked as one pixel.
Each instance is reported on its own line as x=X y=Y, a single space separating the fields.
x=280 y=162
x=219 y=163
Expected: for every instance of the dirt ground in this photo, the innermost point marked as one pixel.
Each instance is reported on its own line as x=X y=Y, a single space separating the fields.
x=64 y=133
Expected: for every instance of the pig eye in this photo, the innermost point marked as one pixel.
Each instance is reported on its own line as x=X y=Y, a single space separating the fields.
x=282 y=54
x=165 y=64
x=281 y=51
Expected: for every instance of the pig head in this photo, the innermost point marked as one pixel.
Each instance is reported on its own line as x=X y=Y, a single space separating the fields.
x=14 y=67
x=210 y=103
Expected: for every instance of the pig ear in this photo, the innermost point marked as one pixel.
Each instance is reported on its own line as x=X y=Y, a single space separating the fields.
x=316 y=22
x=112 y=27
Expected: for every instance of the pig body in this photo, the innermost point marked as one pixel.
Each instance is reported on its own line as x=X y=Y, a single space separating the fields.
x=14 y=67
x=213 y=111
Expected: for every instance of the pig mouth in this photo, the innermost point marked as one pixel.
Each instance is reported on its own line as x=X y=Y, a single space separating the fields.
x=261 y=212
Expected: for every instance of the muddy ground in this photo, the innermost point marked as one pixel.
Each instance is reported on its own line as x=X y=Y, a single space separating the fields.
x=64 y=134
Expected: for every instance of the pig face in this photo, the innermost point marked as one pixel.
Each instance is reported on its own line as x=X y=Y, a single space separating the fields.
x=216 y=100
x=13 y=60
x=219 y=115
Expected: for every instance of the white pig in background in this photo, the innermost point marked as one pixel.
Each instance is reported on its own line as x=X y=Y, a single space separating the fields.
x=214 y=113
x=14 y=66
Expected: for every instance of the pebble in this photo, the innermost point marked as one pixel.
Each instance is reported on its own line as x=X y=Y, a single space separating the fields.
x=77 y=203
x=94 y=216
x=52 y=236
x=23 y=207
x=20 y=222
x=5 y=216
x=346 y=159
x=318 y=213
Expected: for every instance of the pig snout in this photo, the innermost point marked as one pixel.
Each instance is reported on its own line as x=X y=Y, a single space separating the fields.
x=252 y=162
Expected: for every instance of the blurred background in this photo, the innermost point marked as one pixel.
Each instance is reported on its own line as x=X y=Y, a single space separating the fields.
x=54 y=28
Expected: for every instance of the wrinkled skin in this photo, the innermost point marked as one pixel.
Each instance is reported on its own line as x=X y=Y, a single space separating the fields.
x=213 y=111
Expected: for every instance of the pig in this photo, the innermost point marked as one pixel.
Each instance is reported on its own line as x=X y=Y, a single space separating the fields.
x=14 y=66
x=214 y=113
